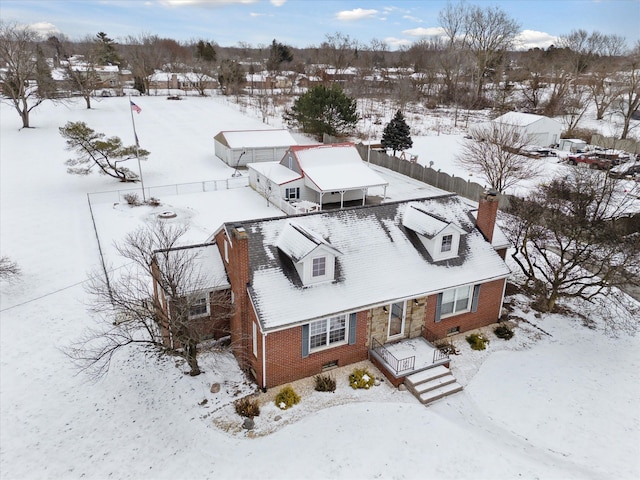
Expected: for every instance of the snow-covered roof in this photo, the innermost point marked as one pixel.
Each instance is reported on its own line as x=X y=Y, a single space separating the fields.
x=208 y=269
x=423 y=222
x=335 y=167
x=274 y=171
x=520 y=119
x=256 y=138
x=381 y=261
x=297 y=242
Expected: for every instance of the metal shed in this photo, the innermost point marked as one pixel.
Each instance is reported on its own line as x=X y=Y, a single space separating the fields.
x=238 y=147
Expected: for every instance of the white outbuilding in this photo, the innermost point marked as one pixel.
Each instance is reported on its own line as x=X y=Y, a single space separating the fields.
x=236 y=148
x=543 y=131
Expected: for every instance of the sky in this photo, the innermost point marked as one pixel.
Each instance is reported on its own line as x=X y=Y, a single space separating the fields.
x=305 y=23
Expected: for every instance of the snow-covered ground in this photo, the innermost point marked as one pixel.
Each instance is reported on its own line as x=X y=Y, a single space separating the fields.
x=561 y=404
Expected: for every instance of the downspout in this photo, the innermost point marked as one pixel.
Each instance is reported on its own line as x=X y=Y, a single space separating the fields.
x=504 y=289
x=264 y=363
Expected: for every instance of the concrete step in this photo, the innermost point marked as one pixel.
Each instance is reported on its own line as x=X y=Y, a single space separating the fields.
x=440 y=392
x=433 y=384
x=427 y=375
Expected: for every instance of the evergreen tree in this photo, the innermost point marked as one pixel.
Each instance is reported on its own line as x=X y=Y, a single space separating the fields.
x=397 y=134
x=106 y=51
x=323 y=110
x=205 y=51
x=278 y=54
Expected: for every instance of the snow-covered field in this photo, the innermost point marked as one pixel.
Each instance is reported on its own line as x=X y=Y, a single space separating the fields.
x=561 y=404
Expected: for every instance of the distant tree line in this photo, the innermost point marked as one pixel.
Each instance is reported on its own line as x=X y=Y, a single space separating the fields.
x=474 y=64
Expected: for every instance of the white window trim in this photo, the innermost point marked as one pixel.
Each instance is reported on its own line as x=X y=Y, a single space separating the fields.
x=455 y=299
x=402 y=320
x=324 y=267
x=450 y=244
x=200 y=296
x=345 y=341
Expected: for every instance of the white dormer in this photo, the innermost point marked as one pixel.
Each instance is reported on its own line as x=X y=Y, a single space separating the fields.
x=439 y=237
x=313 y=257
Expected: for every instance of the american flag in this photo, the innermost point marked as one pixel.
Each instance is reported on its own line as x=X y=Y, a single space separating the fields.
x=135 y=107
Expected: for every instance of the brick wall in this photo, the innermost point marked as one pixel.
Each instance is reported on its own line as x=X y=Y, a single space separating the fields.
x=238 y=272
x=284 y=358
x=489 y=305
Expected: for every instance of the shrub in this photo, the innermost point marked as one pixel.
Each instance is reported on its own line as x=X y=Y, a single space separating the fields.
x=247 y=407
x=361 y=378
x=132 y=199
x=153 y=201
x=503 y=331
x=477 y=341
x=325 y=383
x=287 y=398
x=447 y=346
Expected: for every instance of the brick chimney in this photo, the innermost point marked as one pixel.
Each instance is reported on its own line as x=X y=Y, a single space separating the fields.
x=487 y=213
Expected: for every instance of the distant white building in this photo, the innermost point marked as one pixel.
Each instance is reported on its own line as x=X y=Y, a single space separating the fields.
x=237 y=148
x=543 y=131
x=571 y=144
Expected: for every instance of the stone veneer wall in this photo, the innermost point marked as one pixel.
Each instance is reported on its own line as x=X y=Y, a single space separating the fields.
x=413 y=323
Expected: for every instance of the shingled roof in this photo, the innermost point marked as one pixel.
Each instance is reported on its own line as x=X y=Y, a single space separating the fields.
x=380 y=260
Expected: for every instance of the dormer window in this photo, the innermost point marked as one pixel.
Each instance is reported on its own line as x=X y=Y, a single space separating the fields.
x=447 y=242
x=313 y=257
x=319 y=267
x=440 y=237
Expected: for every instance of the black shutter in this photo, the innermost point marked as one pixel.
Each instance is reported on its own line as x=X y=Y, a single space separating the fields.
x=305 y=340
x=476 y=295
x=438 y=307
x=352 y=328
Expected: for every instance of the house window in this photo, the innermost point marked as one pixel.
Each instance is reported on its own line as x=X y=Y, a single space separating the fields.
x=200 y=306
x=456 y=300
x=292 y=193
x=319 y=267
x=328 y=332
x=226 y=250
x=453 y=331
x=447 y=241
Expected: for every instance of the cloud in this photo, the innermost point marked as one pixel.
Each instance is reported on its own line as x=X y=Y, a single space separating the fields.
x=531 y=39
x=204 y=3
x=355 y=14
x=425 y=32
x=278 y=3
x=397 y=42
x=44 y=29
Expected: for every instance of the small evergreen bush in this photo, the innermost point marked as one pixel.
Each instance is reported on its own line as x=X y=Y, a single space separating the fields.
x=287 y=398
x=247 y=407
x=503 y=331
x=325 y=383
x=361 y=378
x=477 y=341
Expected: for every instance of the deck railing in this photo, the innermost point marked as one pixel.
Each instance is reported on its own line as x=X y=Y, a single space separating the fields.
x=397 y=365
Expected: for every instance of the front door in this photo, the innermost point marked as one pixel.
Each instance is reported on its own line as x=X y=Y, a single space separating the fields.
x=396 y=319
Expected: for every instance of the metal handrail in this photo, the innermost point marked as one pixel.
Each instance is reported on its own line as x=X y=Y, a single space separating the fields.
x=397 y=365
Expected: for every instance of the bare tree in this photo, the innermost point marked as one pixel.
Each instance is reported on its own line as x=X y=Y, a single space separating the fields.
x=489 y=34
x=567 y=241
x=144 y=57
x=27 y=80
x=628 y=100
x=493 y=152
x=151 y=302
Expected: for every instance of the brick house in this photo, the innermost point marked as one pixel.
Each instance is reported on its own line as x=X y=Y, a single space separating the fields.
x=380 y=282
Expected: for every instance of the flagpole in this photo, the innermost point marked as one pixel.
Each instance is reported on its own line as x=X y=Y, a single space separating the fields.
x=135 y=135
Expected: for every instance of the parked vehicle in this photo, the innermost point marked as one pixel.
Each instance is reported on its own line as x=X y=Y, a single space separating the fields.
x=591 y=160
x=626 y=170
